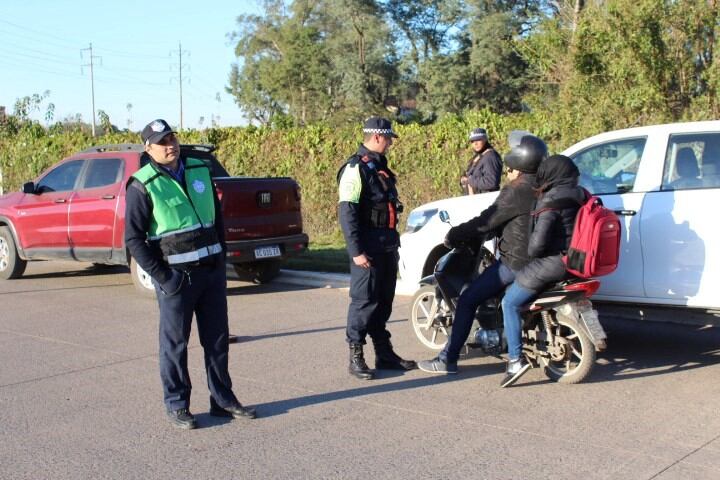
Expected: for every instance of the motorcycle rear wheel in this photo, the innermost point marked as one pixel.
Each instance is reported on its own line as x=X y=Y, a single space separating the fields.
x=575 y=356
x=423 y=311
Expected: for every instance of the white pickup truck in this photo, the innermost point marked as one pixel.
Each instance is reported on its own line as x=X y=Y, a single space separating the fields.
x=663 y=181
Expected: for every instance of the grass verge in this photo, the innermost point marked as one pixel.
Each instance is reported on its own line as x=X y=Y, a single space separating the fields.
x=321 y=256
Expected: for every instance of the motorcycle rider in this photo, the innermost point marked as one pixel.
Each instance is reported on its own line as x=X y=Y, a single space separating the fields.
x=553 y=220
x=507 y=218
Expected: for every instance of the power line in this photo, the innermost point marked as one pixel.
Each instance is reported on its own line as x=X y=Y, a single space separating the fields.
x=38 y=32
x=35 y=57
x=118 y=53
x=24 y=48
x=39 y=68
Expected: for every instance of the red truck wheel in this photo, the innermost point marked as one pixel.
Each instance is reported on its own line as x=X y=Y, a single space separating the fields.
x=11 y=265
x=258 y=272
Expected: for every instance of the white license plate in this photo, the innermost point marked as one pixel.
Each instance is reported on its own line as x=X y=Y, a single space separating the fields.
x=267 y=252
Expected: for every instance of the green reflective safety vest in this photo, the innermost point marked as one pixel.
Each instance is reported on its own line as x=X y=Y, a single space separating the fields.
x=182 y=223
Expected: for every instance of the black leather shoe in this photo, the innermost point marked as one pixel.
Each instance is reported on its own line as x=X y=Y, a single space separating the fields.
x=182 y=418
x=234 y=411
x=401 y=364
x=387 y=359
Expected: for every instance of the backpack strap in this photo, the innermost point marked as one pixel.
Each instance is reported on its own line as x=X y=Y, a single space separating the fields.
x=559 y=205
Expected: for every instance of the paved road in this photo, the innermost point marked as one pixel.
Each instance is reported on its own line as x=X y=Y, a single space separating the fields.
x=80 y=397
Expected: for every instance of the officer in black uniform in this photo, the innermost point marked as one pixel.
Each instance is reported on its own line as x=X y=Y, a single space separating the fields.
x=174 y=231
x=368 y=212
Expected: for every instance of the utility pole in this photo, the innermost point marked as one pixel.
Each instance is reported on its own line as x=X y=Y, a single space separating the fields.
x=92 y=81
x=180 y=67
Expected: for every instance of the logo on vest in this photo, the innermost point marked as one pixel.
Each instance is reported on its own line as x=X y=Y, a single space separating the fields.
x=198 y=186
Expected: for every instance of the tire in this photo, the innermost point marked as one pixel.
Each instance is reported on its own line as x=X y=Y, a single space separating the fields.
x=11 y=265
x=141 y=280
x=423 y=311
x=576 y=357
x=258 y=272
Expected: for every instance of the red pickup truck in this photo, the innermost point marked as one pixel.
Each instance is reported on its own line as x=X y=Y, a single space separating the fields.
x=76 y=210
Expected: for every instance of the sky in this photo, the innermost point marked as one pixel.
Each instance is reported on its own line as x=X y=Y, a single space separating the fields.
x=44 y=45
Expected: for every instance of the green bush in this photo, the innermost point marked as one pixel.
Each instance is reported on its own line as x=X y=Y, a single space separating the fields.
x=427 y=159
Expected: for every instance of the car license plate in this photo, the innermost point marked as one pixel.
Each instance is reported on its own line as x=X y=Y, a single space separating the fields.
x=267 y=252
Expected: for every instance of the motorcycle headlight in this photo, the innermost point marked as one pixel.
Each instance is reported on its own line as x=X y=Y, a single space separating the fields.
x=418 y=218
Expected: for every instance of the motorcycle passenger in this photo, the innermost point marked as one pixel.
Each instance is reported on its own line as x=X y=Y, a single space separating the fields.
x=507 y=218
x=553 y=219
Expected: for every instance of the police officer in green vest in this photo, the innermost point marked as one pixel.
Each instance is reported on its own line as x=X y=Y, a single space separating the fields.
x=174 y=231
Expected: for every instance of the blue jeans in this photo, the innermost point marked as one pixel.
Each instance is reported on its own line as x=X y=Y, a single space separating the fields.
x=489 y=284
x=515 y=297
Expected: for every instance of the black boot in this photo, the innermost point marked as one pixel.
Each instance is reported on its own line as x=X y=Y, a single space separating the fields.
x=387 y=359
x=358 y=367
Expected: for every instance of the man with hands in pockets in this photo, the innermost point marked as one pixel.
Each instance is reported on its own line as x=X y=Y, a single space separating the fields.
x=174 y=231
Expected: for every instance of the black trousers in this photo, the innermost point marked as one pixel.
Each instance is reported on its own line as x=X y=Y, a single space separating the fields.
x=372 y=291
x=203 y=294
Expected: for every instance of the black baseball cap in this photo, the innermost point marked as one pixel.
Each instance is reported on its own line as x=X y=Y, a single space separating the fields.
x=156 y=131
x=379 y=125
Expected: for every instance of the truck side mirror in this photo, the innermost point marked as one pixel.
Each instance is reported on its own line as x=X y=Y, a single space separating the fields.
x=444 y=216
x=28 y=187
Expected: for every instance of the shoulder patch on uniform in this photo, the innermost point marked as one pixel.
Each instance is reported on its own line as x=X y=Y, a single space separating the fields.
x=350 y=184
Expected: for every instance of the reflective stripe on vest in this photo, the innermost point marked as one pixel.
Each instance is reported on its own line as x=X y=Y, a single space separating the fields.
x=190 y=257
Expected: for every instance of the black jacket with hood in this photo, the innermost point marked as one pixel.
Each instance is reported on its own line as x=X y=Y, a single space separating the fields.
x=553 y=220
x=508 y=218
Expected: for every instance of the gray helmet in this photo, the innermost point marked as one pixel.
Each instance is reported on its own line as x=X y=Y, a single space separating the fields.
x=526 y=152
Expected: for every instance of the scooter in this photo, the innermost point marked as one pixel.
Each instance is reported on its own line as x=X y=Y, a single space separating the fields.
x=561 y=332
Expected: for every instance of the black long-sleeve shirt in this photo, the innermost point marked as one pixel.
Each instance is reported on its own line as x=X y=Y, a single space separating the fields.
x=361 y=188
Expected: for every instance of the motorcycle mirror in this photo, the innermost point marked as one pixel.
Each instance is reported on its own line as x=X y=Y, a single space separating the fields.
x=444 y=216
x=516 y=136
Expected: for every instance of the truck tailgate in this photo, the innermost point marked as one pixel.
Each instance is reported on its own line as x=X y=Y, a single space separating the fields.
x=257 y=208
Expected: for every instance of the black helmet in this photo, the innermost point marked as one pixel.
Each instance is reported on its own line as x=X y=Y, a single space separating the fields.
x=526 y=153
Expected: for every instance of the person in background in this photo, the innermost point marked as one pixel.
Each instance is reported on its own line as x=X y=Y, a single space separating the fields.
x=484 y=170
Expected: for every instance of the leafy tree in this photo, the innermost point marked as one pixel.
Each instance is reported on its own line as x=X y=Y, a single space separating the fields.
x=620 y=63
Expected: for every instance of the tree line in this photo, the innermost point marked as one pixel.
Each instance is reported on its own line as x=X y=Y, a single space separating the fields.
x=585 y=66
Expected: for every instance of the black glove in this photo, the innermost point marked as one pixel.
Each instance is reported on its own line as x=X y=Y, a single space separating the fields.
x=453 y=238
x=174 y=284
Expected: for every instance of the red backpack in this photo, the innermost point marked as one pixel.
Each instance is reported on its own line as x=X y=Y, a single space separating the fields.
x=595 y=243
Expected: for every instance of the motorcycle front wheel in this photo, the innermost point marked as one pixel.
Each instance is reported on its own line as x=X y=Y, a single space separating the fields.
x=572 y=356
x=423 y=314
